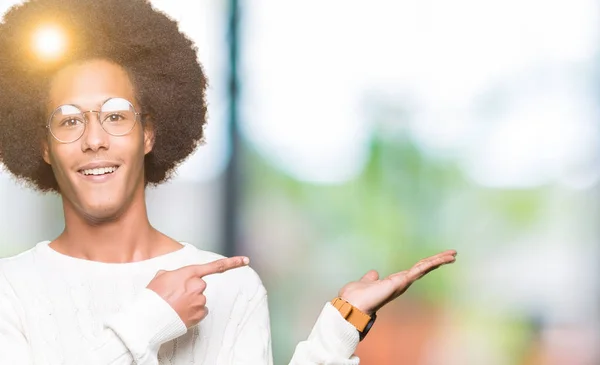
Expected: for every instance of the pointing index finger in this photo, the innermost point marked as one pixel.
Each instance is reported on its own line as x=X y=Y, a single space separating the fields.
x=218 y=266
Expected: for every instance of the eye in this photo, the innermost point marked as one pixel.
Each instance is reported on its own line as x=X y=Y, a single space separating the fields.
x=114 y=118
x=70 y=122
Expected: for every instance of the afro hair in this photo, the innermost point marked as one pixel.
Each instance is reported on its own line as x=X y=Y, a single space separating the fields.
x=162 y=63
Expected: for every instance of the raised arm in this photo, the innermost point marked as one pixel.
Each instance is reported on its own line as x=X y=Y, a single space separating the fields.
x=338 y=329
x=335 y=335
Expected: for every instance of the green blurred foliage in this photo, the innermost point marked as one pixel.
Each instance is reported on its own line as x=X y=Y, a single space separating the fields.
x=405 y=205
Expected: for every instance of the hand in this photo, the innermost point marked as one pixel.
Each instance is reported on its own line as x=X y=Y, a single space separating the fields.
x=184 y=288
x=369 y=294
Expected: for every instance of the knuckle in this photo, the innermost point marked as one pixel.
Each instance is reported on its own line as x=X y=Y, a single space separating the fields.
x=160 y=273
x=195 y=285
x=199 y=315
x=195 y=318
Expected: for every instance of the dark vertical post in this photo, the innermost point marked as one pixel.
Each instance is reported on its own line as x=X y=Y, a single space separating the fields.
x=231 y=198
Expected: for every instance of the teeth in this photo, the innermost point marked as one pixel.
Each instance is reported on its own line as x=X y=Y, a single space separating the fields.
x=100 y=170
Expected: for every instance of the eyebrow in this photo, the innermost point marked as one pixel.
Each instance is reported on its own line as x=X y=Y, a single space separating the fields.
x=81 y=108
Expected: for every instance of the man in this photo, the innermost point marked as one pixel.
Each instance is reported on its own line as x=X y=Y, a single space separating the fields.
x=116 y=106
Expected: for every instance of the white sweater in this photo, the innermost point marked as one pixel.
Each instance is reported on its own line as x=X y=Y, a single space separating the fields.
x=56 y=309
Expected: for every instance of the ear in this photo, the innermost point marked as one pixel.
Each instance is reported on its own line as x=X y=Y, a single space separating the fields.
x=46 y=152
x=148 y=136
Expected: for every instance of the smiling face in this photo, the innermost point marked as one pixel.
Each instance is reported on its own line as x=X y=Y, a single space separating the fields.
x=99 y=174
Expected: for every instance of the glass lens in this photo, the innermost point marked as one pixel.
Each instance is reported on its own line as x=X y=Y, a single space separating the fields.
x=67 y=123
x=117 y=116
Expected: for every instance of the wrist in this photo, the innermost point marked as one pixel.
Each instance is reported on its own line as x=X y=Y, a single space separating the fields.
x=146 y=323
x=358 y=304
x=358 y=318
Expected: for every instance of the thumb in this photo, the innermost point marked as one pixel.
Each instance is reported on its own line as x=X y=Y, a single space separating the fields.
x=159 y=273
x=370 y=276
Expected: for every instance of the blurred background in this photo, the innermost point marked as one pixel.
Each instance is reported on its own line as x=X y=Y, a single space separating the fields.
x=349 y=135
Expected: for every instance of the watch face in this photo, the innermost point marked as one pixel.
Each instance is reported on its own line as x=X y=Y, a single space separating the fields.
x=367 y=327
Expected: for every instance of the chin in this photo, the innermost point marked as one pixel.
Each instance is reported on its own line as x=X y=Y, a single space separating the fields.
x=100 y=204
x=101 y=213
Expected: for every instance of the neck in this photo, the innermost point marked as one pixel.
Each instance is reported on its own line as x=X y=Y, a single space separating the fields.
x=128 y=237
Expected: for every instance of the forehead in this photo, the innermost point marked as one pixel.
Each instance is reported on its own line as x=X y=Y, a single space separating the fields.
x=89 y=84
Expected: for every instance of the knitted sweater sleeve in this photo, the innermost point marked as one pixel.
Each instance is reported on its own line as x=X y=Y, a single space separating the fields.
x=133 y=335
x=332 y=341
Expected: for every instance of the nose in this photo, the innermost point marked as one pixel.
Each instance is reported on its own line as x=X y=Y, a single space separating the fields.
x=94 y=137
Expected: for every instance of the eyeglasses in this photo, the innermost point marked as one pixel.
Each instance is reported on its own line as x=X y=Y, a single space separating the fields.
x=117 y=117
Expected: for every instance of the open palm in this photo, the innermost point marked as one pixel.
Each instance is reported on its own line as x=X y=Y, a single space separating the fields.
x=370 y=293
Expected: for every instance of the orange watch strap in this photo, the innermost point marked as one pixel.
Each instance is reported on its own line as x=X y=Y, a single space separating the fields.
x=352 y=314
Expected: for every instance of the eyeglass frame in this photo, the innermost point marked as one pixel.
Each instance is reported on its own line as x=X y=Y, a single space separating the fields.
x=86 y=120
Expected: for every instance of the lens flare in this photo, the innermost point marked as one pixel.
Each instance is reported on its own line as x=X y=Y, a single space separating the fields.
x=49 y=42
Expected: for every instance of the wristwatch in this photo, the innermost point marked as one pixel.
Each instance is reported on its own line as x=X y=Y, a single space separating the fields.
x=362 y=321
